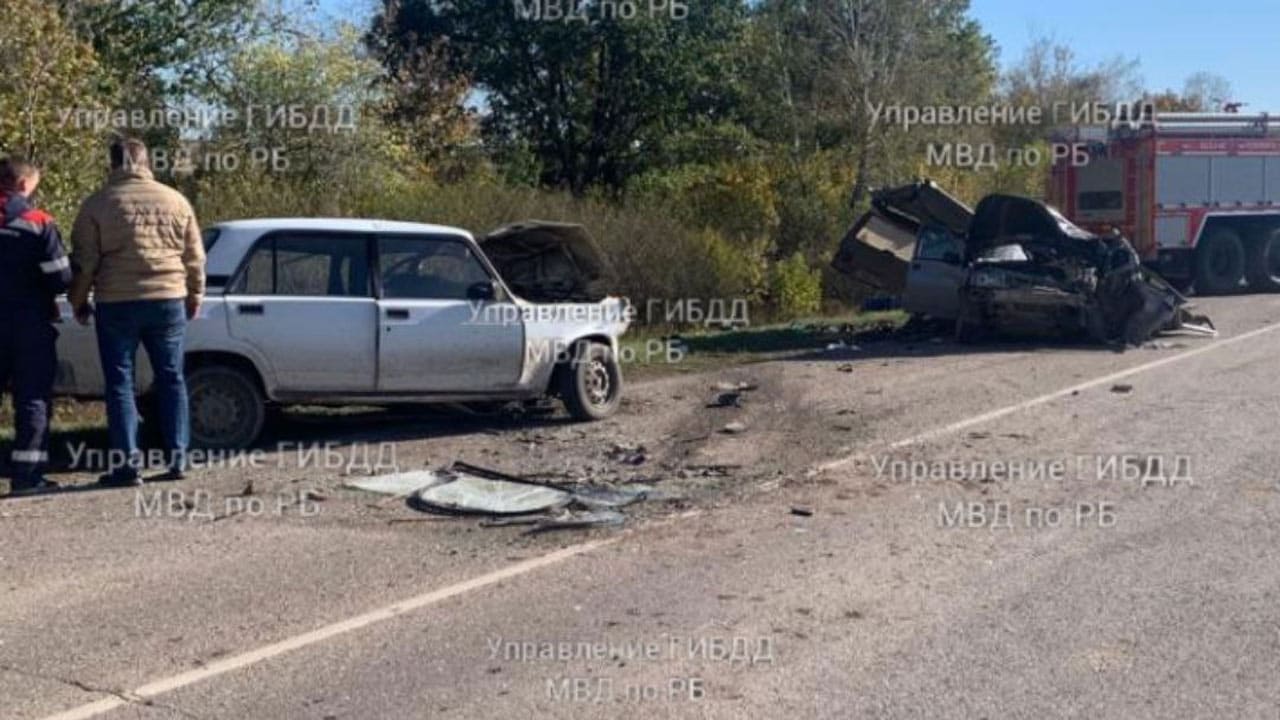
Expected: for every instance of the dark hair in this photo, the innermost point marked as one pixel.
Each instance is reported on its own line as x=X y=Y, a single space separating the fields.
x=128 y=154
x=14 y=169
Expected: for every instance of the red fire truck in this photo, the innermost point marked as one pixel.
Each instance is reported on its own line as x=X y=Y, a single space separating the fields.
x=1198 y=194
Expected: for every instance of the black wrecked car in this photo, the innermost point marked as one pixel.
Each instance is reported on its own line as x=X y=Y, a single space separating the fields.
x=1012 y=265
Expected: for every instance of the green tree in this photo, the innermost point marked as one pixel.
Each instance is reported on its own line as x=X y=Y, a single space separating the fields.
x=162 y=47
x=342 y=148
x=597 y=101
x=50 y=74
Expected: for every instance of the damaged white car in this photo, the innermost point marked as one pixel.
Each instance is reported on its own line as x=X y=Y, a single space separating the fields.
x=1012 y=265
x=330 y=312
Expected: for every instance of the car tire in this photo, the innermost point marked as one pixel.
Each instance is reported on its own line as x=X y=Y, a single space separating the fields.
x=591 y=385
x=227 y=408
x=1220 y=262
x=1264 y=261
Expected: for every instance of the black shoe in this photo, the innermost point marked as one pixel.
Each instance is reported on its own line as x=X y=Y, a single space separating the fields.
x=111 y=480
x=32 y=487
x=168 y=476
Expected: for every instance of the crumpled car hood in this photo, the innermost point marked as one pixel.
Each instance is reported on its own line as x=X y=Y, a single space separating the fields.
x=1012 y=220
x=550 y=262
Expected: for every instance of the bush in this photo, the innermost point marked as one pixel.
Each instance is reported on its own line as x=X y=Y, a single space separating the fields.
x=795 y=289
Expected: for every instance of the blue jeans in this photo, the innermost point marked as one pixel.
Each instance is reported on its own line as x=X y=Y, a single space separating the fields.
x=160 y=326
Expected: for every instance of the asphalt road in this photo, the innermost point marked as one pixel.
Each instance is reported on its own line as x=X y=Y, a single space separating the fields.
x=903 y=530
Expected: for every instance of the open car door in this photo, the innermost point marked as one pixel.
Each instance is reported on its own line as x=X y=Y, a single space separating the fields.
x=911 y=244
x=937 y=270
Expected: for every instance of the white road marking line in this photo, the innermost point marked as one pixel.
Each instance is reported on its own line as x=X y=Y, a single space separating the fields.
x=252 y=657
x=1036 y=401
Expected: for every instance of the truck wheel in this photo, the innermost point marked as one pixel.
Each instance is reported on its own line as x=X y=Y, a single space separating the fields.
x=1220 y=263
x=591 y=386
x=227 y=408
x=1264 y=261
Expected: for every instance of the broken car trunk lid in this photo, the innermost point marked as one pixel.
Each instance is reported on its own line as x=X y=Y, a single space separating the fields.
x=550 y=262
x=878 y=248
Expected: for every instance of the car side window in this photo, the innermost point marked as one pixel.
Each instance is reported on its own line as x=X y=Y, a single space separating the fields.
x=426 y=268
x=307 y=266
x=938 y=244
x=258 y=275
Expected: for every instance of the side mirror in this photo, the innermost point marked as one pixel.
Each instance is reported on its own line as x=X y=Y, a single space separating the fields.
x=484 y=290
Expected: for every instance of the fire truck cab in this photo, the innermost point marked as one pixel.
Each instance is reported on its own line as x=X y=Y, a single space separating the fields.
x=1198 y=195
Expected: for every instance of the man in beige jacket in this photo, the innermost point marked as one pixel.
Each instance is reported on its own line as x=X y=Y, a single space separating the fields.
x=136 y=246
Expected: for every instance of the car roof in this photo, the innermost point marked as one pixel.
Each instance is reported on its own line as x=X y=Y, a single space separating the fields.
x=236 y=237
x=340 y=224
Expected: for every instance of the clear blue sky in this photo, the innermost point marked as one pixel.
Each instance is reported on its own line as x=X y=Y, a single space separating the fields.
x=1236 y=39
x=1232 y=38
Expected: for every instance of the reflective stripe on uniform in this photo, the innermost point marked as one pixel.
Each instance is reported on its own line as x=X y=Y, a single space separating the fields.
x=54 y=266
x=25 y=224
x=29 y=456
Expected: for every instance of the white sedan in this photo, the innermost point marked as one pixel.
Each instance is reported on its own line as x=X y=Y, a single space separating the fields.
x=329 y=312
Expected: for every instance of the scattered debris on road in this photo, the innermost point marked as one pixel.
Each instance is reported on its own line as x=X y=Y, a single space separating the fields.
x=742 y=386
x=801 y=511
x=1122 y=388
x=734 y=428
x=628 y=455
x=465 y=490
x=729 y=393
x=726 y=399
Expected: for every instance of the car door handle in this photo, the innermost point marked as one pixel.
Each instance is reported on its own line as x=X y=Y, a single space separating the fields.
x=397 y=314
x=252 y=309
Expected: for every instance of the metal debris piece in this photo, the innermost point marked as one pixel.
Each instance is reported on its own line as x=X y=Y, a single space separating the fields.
x=399 y=484
x=512 y=520
x=712 y=470
x=802 y=511
x=598 y=498
x=579 y=521
x=727 y=399
x=734 y=428
x=471 y=495
x=466 y=489
x=742 y=386
x=636 y=455
x=1121 y=388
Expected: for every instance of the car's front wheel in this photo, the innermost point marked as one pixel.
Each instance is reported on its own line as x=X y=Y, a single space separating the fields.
x=227 y=408
x=591 y=385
